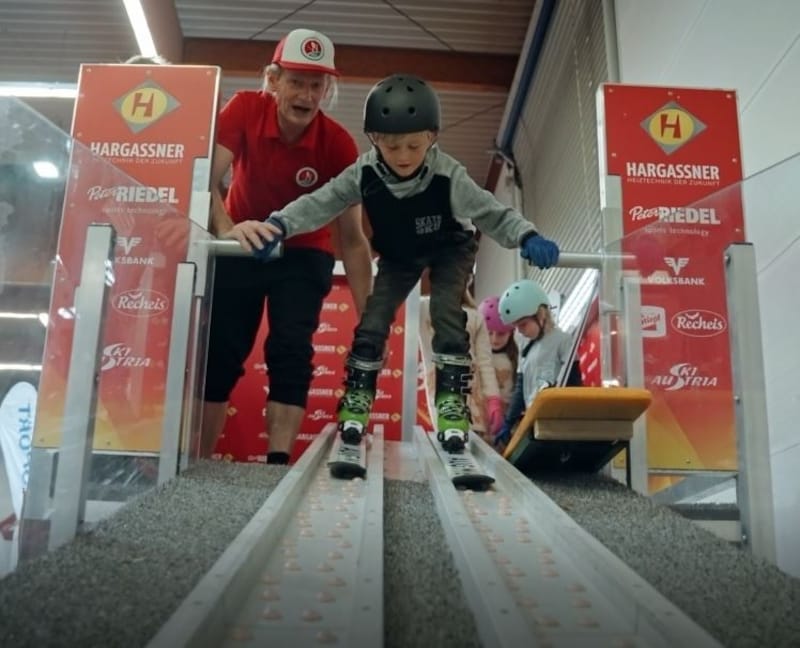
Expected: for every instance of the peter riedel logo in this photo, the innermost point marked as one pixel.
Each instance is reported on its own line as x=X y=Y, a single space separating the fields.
x=672 y=126
x=145 y=105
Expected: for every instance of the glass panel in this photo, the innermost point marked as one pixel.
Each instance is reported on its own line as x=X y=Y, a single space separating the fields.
x=51 y=189
x=33 y=161
x=677 y=259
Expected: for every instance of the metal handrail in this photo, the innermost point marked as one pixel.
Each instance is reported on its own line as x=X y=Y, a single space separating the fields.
x=229 y=247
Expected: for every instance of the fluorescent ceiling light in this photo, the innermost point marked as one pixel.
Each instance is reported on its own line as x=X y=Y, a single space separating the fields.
x=7 y=315
x=13 y=366
x=574 y=307
x=56 y=90
x=144 y=39
x=45 y=169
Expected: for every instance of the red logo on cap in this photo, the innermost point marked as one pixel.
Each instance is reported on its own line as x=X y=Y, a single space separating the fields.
x=311 y=48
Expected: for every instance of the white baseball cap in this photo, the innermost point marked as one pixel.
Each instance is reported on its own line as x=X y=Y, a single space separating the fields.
x=305 y=50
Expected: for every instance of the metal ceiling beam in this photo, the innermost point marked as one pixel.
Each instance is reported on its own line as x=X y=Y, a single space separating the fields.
x=470 y=71
x=165 y=27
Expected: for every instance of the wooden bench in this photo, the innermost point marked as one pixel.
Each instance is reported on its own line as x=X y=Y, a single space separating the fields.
x=584 y=427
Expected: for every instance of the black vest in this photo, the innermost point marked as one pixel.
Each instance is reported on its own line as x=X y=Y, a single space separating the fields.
x=409 y=227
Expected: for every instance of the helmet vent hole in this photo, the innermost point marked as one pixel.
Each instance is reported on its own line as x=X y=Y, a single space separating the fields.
x=385 y=111
x=412 y=110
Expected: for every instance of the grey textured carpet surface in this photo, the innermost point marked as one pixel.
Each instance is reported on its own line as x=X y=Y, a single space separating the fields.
x=424 y=604
x=743 y=602
x=116 y=585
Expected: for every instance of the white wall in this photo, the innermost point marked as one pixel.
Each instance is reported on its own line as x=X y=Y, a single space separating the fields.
x=752 y=47
x=497 y=267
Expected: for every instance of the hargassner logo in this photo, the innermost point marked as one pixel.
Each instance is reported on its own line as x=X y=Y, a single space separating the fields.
x=672 y=126
x=145 y=105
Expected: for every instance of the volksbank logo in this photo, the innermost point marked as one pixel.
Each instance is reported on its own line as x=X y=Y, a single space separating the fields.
x=677 y=278
x=672 y=126
x=145 y=105
x=676 y=263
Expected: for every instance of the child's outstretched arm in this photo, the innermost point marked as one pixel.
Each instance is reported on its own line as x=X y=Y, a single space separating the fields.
x=313 y=210
x=502 y=223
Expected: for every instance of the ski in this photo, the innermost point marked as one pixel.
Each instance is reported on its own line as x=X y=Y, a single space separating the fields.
x=348 y=461
x=464 y=471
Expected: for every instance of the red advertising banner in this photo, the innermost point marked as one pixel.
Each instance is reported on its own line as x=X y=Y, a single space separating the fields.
x=153 y=126
x=245 y=437
x=675 y=150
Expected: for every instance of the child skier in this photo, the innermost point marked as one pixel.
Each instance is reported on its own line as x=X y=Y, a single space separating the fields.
x=526 y=306
x=423 y=209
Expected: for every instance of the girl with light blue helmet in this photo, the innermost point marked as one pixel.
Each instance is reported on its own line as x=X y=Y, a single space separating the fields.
x=526 y=307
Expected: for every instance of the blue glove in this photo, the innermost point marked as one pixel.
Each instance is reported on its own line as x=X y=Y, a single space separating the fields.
x=265 y=253
x=539 y=251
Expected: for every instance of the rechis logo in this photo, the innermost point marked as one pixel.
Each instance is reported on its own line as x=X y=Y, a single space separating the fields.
x=671 y=126
x=145 y=105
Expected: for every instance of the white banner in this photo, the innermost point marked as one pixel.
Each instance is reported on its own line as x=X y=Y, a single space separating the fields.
x=17 y=415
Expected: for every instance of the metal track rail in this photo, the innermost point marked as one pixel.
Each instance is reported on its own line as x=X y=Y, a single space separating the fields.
x=307 y=569
x=534 y=577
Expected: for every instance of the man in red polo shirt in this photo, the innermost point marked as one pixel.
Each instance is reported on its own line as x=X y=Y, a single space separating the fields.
x=281 y=146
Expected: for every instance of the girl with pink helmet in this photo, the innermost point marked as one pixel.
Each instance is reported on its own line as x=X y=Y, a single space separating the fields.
x=504 y=358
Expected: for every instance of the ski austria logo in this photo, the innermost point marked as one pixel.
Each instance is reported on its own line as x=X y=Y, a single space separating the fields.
x=698 y=323
x=141 y=303
x=306 y=177
x=121 y=355
x=672 y=126
x=654 y=322
x=684 y=375
x=312 y=49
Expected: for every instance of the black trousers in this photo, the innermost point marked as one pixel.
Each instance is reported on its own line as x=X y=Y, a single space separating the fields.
x=450 y=268
x=293 y=288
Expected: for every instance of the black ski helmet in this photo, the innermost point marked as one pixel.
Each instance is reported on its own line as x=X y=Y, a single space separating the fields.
x=401 y=103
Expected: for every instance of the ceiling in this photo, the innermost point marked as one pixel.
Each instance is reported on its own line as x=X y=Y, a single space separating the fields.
x=467 y=49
